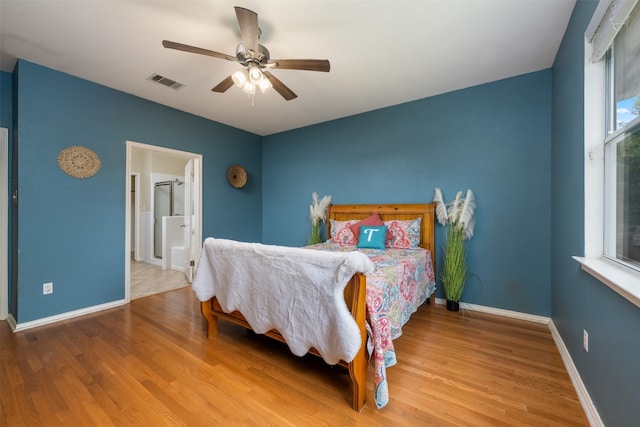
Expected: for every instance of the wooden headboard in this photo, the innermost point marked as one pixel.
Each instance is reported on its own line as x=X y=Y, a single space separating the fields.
x=426 y=211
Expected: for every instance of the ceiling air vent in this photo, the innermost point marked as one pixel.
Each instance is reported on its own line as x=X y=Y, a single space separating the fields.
x=165 y=81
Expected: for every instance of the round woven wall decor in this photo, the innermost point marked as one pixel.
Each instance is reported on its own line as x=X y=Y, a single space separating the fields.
x=237 y=176
x=79 y=162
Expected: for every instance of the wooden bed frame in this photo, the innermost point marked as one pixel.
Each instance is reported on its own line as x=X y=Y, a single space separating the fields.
x=355 y=290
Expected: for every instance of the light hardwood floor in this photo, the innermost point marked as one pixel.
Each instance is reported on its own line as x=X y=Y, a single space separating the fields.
x=149 y=363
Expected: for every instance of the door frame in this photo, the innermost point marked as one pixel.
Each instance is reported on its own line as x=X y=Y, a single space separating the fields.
x=4 y=223
x=197 y=159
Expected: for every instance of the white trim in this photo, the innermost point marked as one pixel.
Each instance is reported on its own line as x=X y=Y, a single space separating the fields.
x=501 y=312
x=63 y=316
x=594 y=133
x=625 y=281
x=11 y=321
x=4 y=223
x=596 y=19
x=583 y=394
x=608 y=18
x=127 y=225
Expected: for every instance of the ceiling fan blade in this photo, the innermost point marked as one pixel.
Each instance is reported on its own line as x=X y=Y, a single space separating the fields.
x=249 y=31
x=300 y=64
x=223 y=85
x=186 y=48
x=280 y=87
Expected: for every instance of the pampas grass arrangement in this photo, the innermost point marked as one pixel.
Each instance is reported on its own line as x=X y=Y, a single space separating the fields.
x=455 y=269
x=457 y=216
x=318 y=215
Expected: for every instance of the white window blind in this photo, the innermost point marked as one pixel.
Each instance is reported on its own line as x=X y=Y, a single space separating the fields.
x=607 y=20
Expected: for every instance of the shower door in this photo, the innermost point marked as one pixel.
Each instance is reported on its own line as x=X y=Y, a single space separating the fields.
x=168 y=201
x=162 y=207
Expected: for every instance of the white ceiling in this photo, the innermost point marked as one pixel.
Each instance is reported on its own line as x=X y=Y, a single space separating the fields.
x=382 y=52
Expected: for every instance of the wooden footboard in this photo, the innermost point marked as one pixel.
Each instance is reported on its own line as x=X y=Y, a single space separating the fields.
x=355 y=297
x=355 y=291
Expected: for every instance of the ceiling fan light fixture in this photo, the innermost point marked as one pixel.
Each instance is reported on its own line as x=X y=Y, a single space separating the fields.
x=249 y=88
x=265 y=85
x=255 y=75
x=240 y=77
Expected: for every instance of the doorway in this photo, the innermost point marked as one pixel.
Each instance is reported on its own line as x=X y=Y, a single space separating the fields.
x=138 y=231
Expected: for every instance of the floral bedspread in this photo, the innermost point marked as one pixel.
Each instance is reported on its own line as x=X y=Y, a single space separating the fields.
x=402 y=281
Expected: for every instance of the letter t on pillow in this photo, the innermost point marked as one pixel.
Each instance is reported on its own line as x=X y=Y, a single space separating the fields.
x=372 y=236
x=371 y=220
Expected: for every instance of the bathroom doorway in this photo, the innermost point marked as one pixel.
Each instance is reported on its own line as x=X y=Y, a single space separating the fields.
x=174 y=170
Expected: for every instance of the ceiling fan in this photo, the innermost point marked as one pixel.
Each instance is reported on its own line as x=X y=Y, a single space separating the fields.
x=255 y=59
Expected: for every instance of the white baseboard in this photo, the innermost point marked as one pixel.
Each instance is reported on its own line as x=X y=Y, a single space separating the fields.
x=11 y=321
x=587 y=404
x=583 y=395
x=18 y=327
x=501 y=312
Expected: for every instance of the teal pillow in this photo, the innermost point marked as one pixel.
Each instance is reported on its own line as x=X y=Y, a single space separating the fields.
x=372 y=236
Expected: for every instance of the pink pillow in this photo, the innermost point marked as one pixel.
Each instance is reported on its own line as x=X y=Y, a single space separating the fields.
x=404 y=234
x=341 y=233
x=371 y=220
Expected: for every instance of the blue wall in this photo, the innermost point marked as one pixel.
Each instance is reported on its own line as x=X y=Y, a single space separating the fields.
x=72 y=231
x=610 y=369
x=6 y=112
x=494 y=138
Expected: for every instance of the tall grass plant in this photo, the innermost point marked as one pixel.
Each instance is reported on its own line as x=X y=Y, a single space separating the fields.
x=457 y=216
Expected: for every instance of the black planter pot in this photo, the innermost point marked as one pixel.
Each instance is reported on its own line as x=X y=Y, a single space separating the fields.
x=453 y=305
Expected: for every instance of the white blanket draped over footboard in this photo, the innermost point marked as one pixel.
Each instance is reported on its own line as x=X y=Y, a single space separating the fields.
x=299 y=292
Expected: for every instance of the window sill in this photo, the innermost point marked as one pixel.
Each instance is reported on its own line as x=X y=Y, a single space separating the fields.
x=622 y=280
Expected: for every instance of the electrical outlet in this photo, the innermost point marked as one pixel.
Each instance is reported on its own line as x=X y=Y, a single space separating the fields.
x=47 y=288
x=585 y=340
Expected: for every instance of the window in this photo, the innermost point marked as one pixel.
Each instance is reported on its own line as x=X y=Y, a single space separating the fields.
x=622 y=145
x=611 y=148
